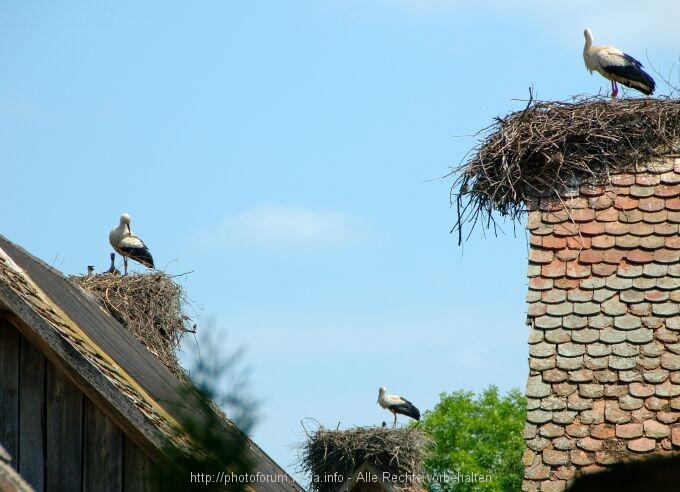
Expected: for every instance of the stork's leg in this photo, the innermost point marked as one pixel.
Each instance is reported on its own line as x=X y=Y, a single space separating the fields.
x=394 y=424
x=125 y=264
x=615 y=90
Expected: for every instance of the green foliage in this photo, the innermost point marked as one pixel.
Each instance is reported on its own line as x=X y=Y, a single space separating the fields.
x=481 y=435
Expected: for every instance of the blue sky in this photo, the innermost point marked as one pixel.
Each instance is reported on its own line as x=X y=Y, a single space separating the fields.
x=287 y=154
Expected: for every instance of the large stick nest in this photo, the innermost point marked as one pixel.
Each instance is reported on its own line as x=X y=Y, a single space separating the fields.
x=149 y=305
x=550 y=148
x=331 y=453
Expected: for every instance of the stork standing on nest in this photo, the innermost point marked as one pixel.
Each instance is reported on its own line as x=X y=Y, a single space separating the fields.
x=613 y=64
x=397 y=404
x=128 y=245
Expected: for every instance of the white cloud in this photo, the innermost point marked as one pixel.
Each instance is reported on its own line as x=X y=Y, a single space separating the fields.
x=270 y=226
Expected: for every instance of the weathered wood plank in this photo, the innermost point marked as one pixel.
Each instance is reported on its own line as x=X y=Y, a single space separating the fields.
x=140 y=473
x=9 y=388
x=31 y=457
x=64 y=418
x=102 y=452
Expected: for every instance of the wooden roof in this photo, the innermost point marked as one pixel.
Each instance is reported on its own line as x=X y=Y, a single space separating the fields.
x=104 y=360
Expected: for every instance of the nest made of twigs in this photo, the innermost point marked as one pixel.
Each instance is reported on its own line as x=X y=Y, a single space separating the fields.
x=333 y=453
x=149 y=305
x=550 y=148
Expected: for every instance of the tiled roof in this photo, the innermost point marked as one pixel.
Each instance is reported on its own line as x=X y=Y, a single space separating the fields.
x=602 y=306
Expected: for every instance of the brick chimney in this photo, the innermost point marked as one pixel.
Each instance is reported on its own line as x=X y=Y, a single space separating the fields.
x=604 y=331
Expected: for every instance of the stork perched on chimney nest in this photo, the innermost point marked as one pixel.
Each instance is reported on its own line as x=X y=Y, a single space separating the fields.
x=615 y=65
x=397 y=404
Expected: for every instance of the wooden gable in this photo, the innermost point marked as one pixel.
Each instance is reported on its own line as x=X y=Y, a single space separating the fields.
x=83 y=405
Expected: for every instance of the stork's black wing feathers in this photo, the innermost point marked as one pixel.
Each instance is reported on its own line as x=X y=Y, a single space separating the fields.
x=632 y=75
x=406 y=408
x=141 y=255
x=633 y=60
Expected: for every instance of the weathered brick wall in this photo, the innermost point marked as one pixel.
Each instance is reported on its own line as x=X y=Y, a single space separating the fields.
x=603 y=305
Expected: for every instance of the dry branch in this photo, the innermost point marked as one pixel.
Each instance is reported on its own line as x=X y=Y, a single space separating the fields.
x=551 y=148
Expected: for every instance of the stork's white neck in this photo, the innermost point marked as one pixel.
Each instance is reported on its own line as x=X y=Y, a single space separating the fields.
x=381 y=397
x=589 y=38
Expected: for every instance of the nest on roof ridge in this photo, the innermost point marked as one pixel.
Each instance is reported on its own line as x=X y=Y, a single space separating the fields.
x=550 y=148
x=150 y=306
x=333 y=453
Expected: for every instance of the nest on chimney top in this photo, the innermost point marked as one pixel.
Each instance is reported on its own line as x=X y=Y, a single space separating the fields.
x=550 y=148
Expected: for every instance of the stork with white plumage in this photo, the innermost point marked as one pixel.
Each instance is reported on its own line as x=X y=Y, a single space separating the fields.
x=397 y=405
x=616 y=66
x=128 y=245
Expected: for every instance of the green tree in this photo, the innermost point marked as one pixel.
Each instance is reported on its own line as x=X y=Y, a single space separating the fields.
x=481 y=435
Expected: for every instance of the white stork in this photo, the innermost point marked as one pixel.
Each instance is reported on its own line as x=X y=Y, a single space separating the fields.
x=112 y=269
x=128 y=245
x=613 y=64
x=397 y=404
